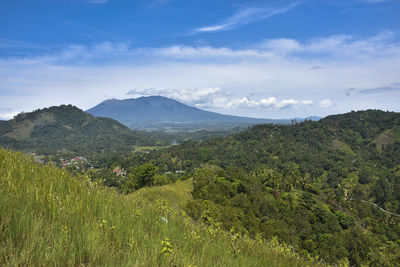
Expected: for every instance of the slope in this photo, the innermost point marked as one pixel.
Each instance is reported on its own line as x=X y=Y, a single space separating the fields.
x=50 y=218
x=67 y=127
x=309 y=143
x=310 y=184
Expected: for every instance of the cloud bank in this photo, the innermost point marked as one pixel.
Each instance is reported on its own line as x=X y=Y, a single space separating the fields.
x=272 y=78
x=216 y=98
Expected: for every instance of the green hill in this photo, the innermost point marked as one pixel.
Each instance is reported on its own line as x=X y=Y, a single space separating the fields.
x=50 y=218
x=312 y=144
x=68 y=128
x=331 y=188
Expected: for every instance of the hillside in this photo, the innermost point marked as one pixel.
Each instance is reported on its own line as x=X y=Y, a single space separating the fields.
x=50 y=218
x=68 y=128
x=331 y=188
x=157 y=112
x=355 y=135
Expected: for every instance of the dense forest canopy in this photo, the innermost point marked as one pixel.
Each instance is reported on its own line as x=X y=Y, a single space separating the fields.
x=330 y=188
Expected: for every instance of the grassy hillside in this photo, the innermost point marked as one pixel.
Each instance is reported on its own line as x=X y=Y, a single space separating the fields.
x=69 y=128
x=48 y=218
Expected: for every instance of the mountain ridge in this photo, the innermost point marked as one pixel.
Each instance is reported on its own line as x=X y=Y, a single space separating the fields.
x=153 y=111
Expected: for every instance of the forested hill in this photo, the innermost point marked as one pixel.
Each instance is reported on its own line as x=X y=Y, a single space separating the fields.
x=371 y=134
x=368 y=123
x=159 y=112
x=319 y=186
x=68 y=127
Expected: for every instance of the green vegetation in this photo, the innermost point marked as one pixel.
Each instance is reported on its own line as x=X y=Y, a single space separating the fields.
x=139 y=177
x=50 y=218
x=315 y=225
x=311 y=184
x=69 y=129
x=330 y=190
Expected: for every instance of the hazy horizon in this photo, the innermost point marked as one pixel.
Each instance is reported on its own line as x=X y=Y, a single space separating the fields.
x=277 y=118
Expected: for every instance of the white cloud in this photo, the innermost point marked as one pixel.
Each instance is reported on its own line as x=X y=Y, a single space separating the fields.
x=273 y=78
x=245 y=16
x=199 y=97
x=287 y=103
x=281 y=45
x=216 y=98
x=325 y=103
x=313 y=50
x=242 y=102
x=207 y=52
x=307 y=102
x=342 y=46
x=8 y=115
x=268 y=102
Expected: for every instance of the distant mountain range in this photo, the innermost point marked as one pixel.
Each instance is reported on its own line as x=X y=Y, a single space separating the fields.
x=103 y=128
x=157 y=112
x=68 y=128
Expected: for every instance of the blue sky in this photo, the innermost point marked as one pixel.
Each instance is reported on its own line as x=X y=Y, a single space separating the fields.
x=271 y=59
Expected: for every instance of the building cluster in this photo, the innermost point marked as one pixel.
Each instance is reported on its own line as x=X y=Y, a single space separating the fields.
x=76 y=162
x=119 y=171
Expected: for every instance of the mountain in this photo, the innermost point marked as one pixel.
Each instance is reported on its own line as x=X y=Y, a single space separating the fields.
x=157 y=112
x=67 y=127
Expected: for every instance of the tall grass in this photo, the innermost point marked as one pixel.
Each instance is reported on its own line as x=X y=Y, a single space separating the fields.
x=49 y=218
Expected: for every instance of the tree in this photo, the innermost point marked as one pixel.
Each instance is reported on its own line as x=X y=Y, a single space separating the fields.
x=144 y=174
x=139 y=177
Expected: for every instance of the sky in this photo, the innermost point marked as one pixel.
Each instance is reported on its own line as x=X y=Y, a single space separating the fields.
x=266 y=59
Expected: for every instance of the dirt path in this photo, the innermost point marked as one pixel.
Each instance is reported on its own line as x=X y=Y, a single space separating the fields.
x=388 y=212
